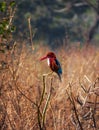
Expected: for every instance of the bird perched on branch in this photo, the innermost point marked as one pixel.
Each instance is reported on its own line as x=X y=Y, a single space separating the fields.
x=53 y=63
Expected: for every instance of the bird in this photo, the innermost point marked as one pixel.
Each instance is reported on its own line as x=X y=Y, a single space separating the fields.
x=53 y=63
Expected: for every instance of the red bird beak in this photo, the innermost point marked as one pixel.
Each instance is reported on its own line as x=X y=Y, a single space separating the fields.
x=43 y=58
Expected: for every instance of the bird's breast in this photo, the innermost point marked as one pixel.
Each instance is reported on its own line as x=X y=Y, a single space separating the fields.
x=48 y=61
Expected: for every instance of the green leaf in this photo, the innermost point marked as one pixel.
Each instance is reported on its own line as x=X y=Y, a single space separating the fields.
x=13 y=28
x=2 y=6
x=1 y=30
x=12 y=3
x=5 y=23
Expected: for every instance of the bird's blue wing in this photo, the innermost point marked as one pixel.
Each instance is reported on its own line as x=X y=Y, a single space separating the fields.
x=59 y=67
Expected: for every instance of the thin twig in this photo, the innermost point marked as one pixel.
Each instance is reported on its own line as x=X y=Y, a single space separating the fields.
x=71 y=98
x=83 y=88
x=76 y=114
x=11 y=125
x=30 y=30
x=93 y=113
x=39 y=117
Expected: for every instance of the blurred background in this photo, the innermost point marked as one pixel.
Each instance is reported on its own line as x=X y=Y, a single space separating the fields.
x=57 y=22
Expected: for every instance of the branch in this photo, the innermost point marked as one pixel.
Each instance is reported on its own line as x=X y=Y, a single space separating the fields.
x=90 y=4
x=46 y=105
x=69 y=6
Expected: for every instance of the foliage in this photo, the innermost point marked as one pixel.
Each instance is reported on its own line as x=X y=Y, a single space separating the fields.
x=5 y=25
x=7 y=11
x=55 y=20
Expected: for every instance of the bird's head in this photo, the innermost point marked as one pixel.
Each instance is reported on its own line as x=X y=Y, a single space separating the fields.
x=49 y=55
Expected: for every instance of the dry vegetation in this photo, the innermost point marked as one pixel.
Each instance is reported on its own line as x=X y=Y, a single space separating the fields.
x=29 y=100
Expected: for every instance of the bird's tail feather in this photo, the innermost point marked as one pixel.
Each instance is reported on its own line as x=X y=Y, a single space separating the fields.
x=60 y=77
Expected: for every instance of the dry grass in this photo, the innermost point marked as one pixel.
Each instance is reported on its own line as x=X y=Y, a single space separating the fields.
x=72 y=105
